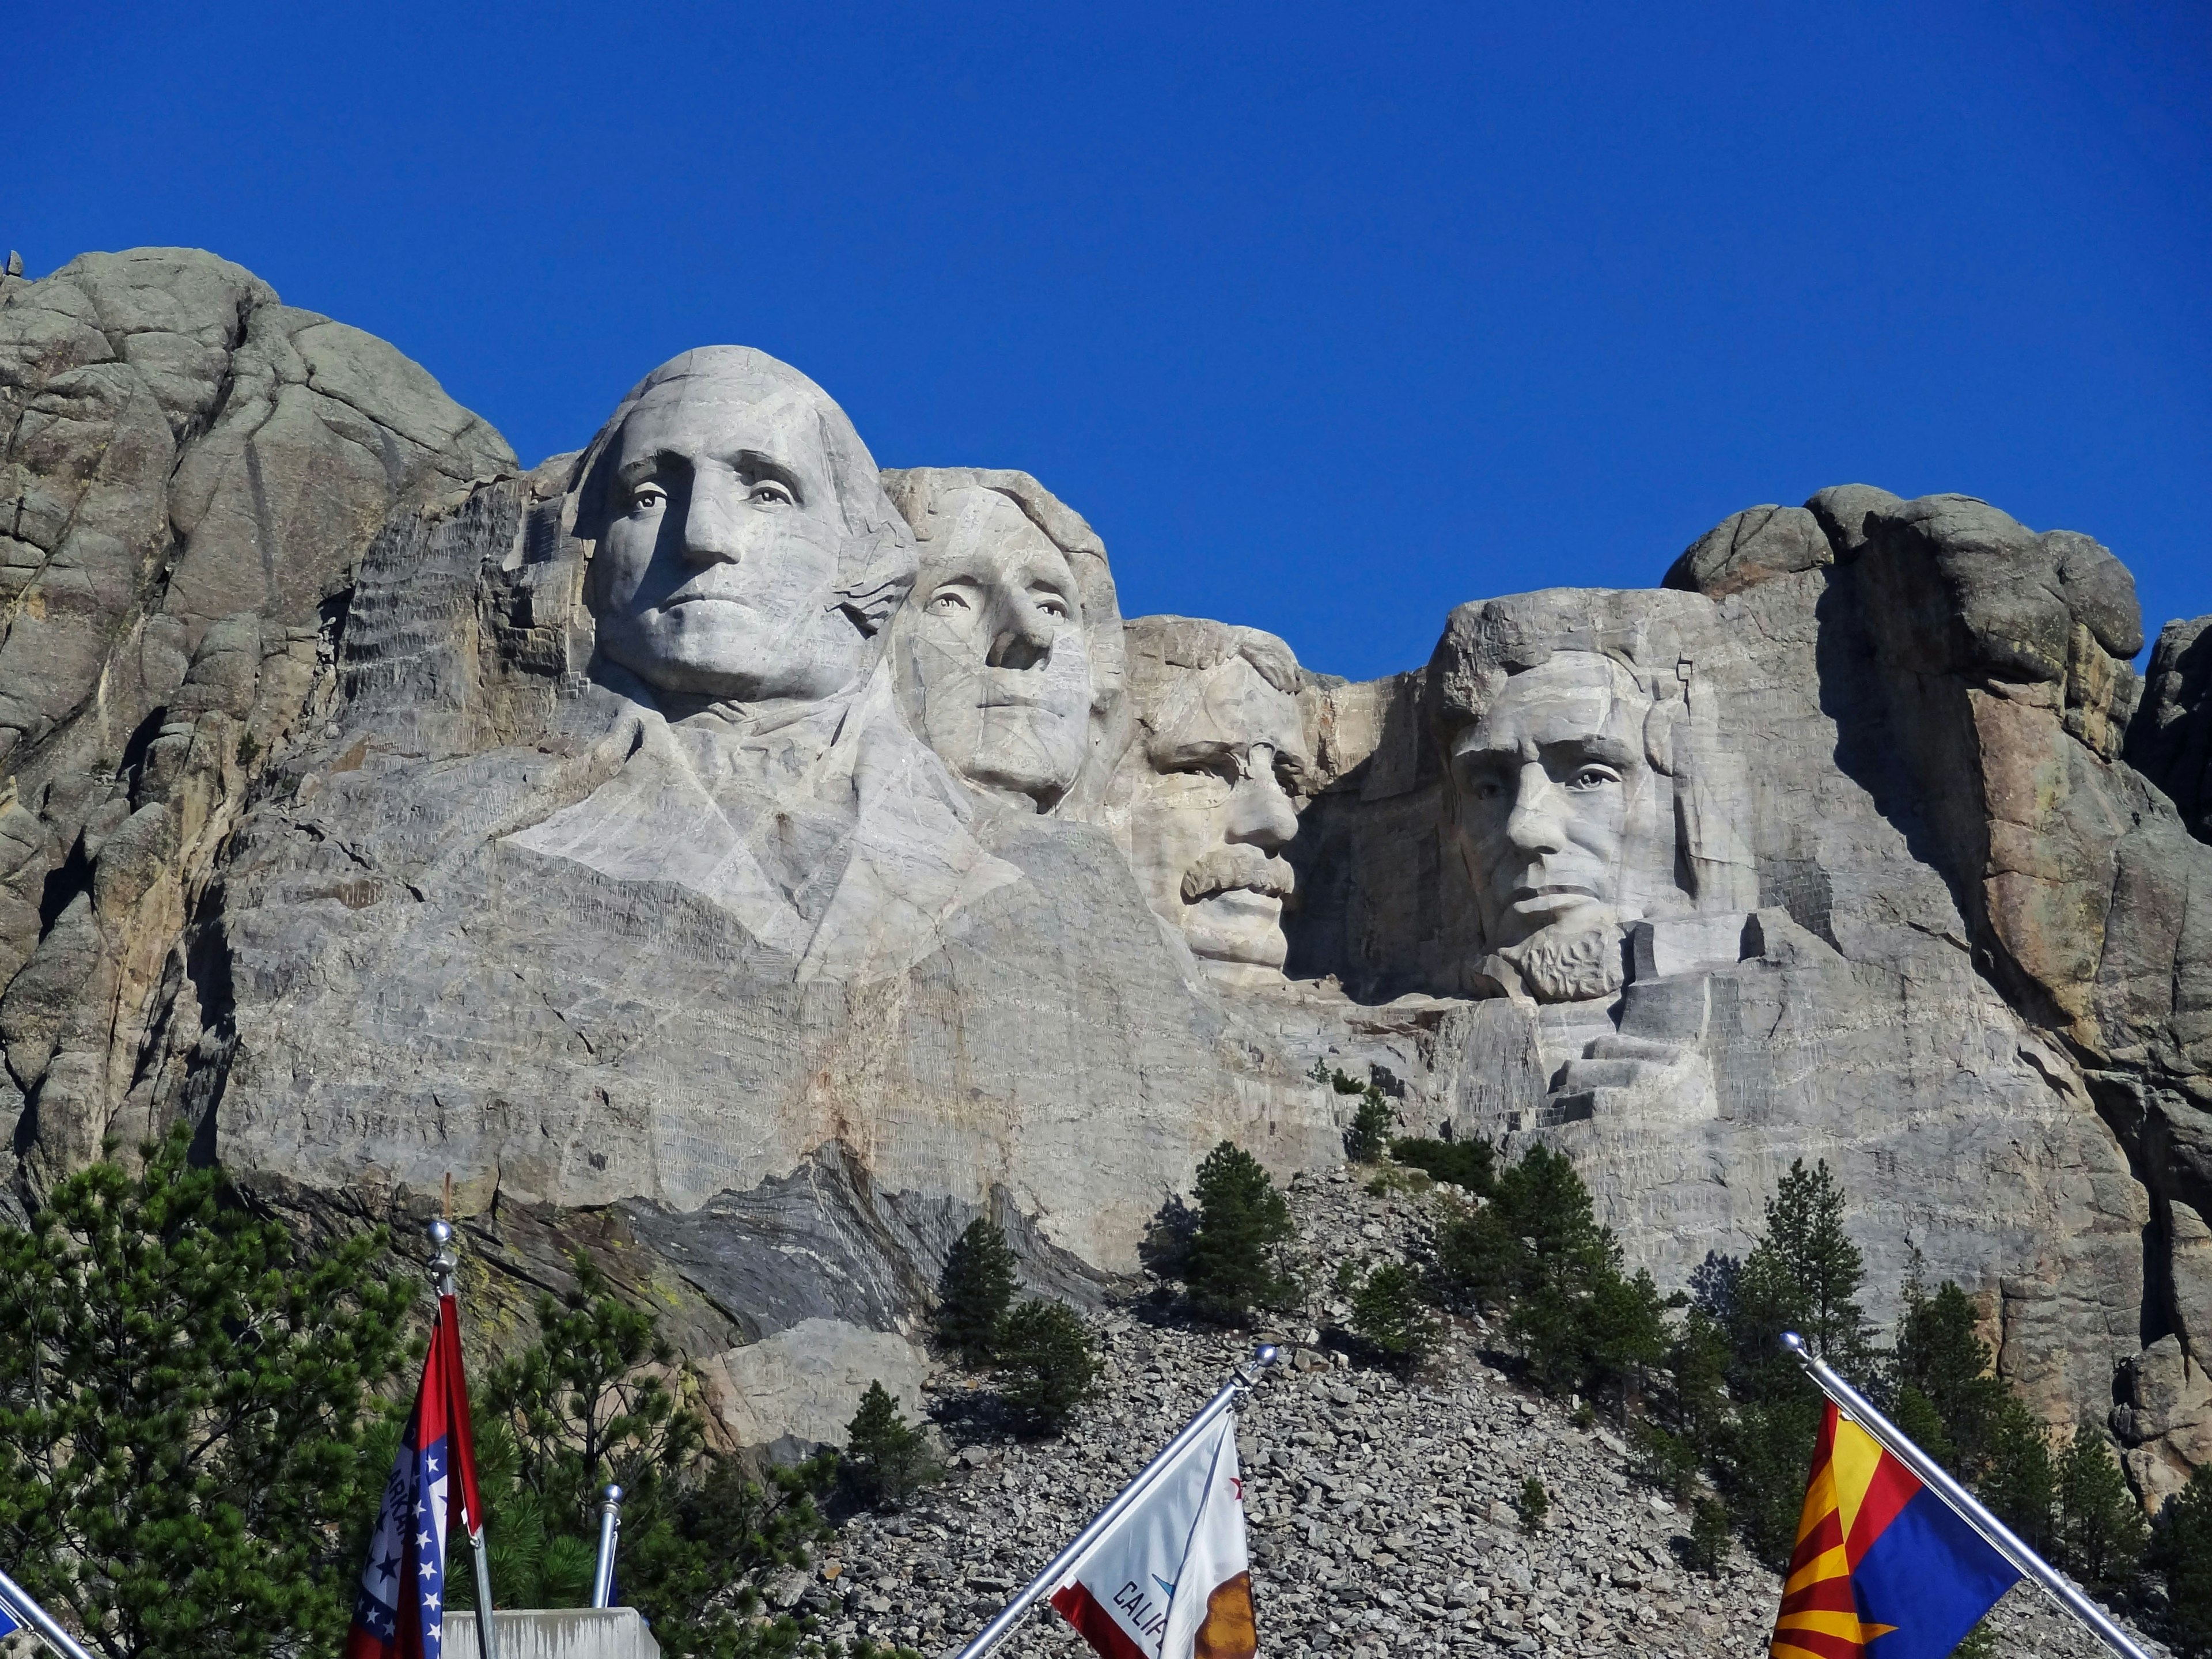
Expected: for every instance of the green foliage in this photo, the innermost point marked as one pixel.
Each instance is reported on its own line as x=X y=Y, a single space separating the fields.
x=1804 y=1275
x=1711 y=1536
x=2101 y=1534
x=1390 y=1311
x=2181 y=1554
x=1534 y=1505
x=1046 y=1366
x=974 y=1292
x=886 y=1457
x=1469 y=1163
x=1535 y=1247
x=1233 y=1263
x=187 y=1401
x=591 y=1401
x=1371 y=1123
x=1980 y=1642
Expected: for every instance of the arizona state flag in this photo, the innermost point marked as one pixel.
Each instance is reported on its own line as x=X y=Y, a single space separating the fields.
x=1884 y=1568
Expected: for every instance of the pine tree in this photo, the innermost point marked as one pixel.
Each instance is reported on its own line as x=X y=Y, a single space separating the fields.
x=188 y=1406
x=1390 y=1311
x=1371 y=1123
x=1046 y=1367
x=2101 y=1533
x=2181 y=1552
x=1233 y=1262
x=974 y=1292
x=886 y=1457
x=600 y=1396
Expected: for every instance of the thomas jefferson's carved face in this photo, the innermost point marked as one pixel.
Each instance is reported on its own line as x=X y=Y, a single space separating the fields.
x=1214 y=810
x=717 y=562
x=993 y=669
x=1557 y=806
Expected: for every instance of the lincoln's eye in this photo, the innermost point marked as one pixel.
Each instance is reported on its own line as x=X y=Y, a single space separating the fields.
x=768 y=491
x=647 y=498
x=1592 y=777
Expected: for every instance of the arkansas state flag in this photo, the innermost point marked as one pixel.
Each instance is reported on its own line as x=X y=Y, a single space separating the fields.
x=400 y=1611
x=1883 y=1567
x=1171 y=1580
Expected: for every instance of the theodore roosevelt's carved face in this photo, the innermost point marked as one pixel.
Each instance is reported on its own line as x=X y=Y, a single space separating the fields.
x=1221 y=750
x=993 y=669
x=1557 y=806
x=718 y=557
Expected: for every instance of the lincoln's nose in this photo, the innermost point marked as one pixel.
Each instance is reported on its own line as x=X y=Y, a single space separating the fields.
x=1537 y=823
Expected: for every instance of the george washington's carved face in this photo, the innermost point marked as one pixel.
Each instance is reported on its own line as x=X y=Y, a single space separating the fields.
x=718 y=560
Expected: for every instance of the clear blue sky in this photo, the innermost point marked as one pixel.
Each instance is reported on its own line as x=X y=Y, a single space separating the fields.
x=1328 y=318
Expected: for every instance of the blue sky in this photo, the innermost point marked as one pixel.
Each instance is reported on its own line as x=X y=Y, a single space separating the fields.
x=1328 y=318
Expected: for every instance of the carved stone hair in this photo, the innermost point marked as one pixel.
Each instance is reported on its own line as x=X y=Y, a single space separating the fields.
x=875 y=563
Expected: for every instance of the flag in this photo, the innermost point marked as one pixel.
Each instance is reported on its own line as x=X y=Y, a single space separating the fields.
x=7 y=1625
x=1884 y=1568
x=1170 y=1579
x=400 y=1610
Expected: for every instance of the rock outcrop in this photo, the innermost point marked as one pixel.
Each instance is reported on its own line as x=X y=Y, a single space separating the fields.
x=188 y=473
x=748 y=866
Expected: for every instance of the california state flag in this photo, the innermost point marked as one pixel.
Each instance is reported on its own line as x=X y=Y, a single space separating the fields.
x=1171 y=1580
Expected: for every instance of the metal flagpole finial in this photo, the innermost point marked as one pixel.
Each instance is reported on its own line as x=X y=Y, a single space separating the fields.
x=443 y=1262
x=1796 y=1344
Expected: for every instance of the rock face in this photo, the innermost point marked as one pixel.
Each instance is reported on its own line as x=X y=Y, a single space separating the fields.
x=188 y=473
x=750 y=865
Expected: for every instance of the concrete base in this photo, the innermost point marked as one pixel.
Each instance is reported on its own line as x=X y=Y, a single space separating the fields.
x=556 y=1633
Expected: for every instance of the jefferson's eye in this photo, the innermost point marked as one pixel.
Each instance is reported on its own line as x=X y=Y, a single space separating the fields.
x=1592 y=777
x=768 y=491
x=647 y=498
x=948 y=602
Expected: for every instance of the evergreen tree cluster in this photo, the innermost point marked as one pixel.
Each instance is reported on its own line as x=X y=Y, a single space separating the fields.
x=1040 y=1352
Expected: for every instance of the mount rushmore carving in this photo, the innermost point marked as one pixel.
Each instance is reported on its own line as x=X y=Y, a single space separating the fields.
x=750 y=865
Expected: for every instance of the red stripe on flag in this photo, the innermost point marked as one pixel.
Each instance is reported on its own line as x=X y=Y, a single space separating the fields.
x=460 y=1446
x=1827 y=1534
x=1825 y=1596
x=1892 y=1488
x=1818 y=1642
x=1094 y=1623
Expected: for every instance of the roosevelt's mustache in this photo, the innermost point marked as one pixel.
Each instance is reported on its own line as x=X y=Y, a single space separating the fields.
x=1224 y=869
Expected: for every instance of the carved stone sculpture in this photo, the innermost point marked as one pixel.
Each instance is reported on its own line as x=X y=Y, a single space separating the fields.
x=1205 y=796
x=1006 y=659
x=1585 y=781
x=749 y=869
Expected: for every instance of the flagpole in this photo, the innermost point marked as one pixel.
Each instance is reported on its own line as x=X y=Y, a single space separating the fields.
x=444 y=1264
x=1001 y=1627
x=18 y=1601
x=1999 y=1537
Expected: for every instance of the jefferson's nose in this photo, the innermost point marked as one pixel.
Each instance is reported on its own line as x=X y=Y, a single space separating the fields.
x=1536 y=823
x=712 y=530
x=1022 y=637
x=1259 y=812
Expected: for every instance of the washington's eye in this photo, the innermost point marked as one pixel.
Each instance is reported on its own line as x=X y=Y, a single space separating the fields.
x=647 y=498
x=768 y=491
x=1053 y=606
x=1592 y=777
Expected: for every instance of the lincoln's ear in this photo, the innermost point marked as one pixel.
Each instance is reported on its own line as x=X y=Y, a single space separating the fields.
x=1659 y=739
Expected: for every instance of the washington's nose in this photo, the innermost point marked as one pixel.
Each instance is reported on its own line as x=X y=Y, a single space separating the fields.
x=1259 y=812
x=711 y=521
x=1536 y=824
x=1024 y=639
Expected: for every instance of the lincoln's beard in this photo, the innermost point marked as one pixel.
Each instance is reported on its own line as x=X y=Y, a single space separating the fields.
x=1576 y=959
